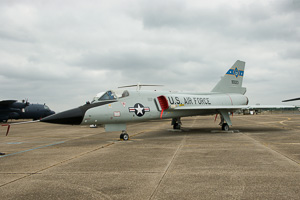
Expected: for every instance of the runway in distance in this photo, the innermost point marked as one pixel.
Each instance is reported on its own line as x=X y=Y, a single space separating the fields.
x=114 y=108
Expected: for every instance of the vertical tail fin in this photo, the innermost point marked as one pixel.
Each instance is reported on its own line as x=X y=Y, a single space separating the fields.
x=233 y=80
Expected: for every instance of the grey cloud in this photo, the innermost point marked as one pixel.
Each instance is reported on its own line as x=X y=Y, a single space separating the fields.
x=17 y=36
x=291 y=53
x=30 y=74
x=63 y=53
x=132 y=59
x=287 y=6
x=254 y=21
x=121 y=60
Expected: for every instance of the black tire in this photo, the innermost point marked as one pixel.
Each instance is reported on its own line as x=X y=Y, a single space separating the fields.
x=121 y=136
x=125 y=136
x=176 y=126
x=225 y=127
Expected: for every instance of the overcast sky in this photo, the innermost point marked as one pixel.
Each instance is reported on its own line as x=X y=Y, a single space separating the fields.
x=64 y=52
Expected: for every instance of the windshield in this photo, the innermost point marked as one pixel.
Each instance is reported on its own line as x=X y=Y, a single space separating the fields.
x=110 y=95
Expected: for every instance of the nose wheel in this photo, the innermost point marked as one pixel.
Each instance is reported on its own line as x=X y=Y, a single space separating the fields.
x=124 y=136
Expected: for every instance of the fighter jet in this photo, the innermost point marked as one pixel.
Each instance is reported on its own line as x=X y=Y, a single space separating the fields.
x=114 y=108
x=11 y=109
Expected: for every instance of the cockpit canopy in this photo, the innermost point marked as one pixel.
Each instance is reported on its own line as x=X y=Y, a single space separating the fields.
x=110 y=95
x=46 y=107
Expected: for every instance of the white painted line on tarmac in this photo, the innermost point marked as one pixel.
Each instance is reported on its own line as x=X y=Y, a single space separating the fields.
x=32 y=149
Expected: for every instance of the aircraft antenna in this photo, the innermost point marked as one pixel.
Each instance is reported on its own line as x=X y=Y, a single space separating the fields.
x=138 y=86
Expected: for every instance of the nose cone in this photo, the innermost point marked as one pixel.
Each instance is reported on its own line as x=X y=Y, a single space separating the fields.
x=71 y=117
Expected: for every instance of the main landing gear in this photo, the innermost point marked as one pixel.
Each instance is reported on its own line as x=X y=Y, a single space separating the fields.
x=223 y=124
x=225 y=127
x=124 y=136
x=176 y=122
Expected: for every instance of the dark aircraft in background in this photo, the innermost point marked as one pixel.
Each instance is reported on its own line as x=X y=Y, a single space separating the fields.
x=36 y=111
x=291 y=100
x=11 y=109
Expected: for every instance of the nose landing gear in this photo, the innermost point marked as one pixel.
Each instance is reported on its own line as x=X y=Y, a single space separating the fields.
x=124 y=136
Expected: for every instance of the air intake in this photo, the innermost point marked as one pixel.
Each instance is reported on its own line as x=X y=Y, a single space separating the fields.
x=163 y=102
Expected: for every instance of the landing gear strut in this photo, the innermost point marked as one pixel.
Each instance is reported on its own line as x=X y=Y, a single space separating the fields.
x=225 y=126
x=124 y=136
x=176 y=122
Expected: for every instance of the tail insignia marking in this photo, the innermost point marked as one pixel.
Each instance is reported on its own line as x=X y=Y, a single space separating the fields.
x=235 y=72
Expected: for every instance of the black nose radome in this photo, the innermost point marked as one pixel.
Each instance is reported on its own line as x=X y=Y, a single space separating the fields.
x=71 y=117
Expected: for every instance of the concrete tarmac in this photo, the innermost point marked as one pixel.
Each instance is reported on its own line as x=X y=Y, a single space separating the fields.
x=260 y=159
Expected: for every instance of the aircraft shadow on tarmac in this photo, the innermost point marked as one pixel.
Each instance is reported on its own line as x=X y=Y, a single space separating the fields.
x=209 y=131
x=236 y=129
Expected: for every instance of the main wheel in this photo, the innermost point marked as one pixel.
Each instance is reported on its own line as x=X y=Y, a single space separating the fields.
x=225 y=127
x=176 y=126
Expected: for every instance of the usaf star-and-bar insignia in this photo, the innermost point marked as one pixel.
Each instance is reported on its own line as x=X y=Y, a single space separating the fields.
x=139 y=109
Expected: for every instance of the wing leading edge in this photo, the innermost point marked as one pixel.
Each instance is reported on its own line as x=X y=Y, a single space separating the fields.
x=296 y=99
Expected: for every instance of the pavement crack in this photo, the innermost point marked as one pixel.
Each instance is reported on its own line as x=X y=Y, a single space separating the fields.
x=59 y=163
x=273 y=150
x=168 y=166
x=64 y=161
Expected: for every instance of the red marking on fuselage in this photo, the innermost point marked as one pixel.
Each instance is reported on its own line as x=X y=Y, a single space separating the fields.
x=230 y=99
x=163 y=104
